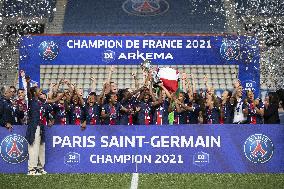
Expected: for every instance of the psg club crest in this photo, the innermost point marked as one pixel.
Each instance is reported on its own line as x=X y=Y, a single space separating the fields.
x=230 y=50
x=258 y=148
x=14 y=149
x=48 y=50
x=145 y=7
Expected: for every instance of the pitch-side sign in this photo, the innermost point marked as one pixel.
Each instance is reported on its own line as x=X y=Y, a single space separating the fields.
x=151 y=149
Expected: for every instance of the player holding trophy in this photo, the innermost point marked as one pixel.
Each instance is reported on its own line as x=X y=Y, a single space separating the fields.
x=168 y=76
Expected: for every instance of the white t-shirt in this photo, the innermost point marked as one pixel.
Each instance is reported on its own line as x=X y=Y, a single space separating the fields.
x=238 y=113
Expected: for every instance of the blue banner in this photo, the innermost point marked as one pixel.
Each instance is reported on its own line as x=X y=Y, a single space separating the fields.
x=132 y=50
x=151 y=149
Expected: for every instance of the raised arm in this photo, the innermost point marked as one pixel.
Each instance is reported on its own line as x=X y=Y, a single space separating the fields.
x=111 y=70
x=209 y=88
x=24 y=81
x=145 y=76
x=56 y=86
x=53 y=100
x=106 y=89
x=193 y=83
x=70 y=86
x=205 y=79
x=171 y=106
x=50 y=91
x=136 y=84
x=184 y=81
x=93 y=84
x=165 y=89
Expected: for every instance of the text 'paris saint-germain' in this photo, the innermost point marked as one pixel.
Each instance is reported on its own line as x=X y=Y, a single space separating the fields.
x=136 y=141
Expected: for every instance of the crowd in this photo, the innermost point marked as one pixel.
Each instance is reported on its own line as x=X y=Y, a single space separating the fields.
x=145 y=105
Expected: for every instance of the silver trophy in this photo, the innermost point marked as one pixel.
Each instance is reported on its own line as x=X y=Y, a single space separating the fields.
x=148 y=67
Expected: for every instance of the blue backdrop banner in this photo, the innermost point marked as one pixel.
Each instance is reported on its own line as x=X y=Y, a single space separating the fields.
x=132 y=50
x=151 y=149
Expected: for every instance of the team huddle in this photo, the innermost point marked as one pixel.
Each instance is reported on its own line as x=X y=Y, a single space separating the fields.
x=150 y=104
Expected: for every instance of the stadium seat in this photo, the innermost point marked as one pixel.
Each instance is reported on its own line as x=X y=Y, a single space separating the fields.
x=122 y=74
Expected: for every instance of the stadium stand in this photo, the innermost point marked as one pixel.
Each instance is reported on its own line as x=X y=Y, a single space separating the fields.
x=109 y=17
x=34 y=8
x=122 y=75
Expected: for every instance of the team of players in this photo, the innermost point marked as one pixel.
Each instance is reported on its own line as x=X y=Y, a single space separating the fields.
x=146 y=105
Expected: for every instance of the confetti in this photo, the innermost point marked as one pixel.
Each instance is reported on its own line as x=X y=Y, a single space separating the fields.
x=19 y=18
x=263 y=19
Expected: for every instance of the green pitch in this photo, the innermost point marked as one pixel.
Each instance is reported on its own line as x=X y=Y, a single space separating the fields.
x=147 y=181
